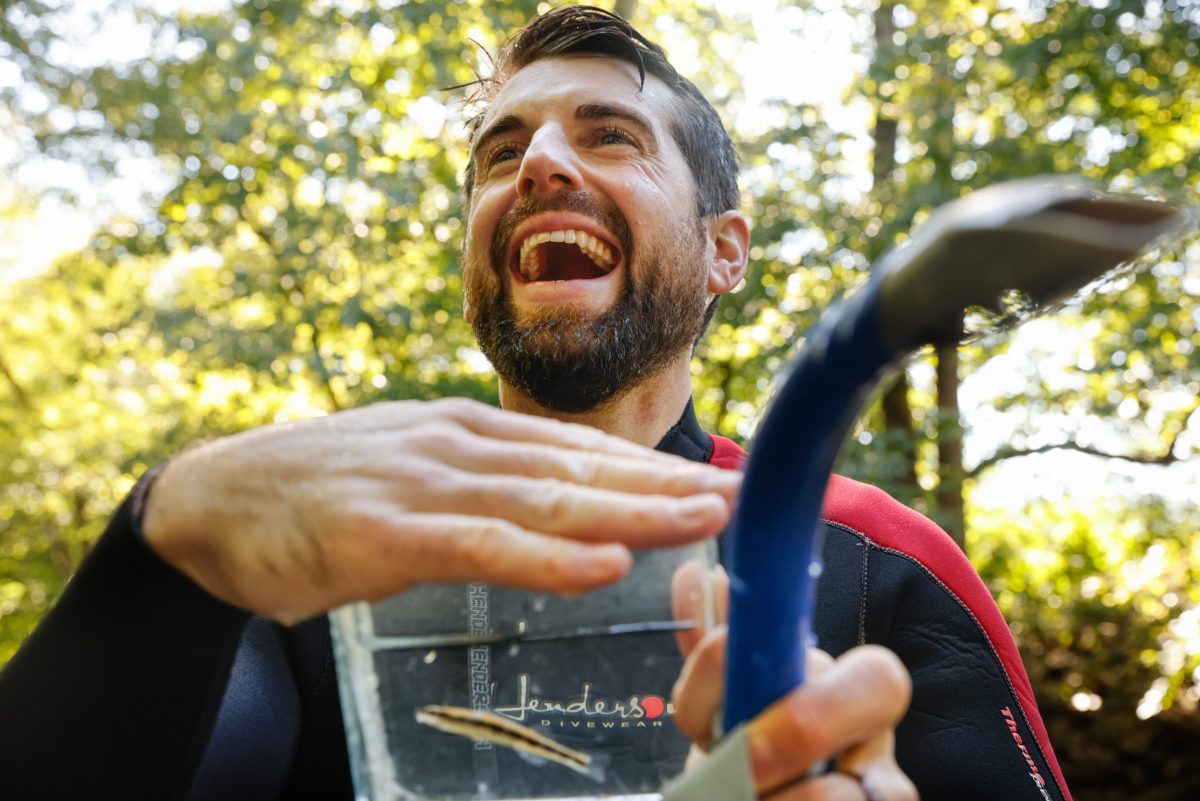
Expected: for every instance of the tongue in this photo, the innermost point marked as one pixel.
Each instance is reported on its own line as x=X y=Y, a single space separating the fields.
x=564 y=262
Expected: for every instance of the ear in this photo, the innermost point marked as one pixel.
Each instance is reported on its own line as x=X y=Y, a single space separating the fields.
x=730 y=234
x=468 y=310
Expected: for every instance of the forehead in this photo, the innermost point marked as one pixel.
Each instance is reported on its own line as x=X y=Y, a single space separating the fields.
x=560 y=84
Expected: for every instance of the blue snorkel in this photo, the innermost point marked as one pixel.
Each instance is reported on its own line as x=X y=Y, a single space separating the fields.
x=1043 y=238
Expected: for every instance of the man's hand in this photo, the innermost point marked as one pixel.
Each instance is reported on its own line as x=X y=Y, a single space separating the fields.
x=292 y=520
x=846 y=712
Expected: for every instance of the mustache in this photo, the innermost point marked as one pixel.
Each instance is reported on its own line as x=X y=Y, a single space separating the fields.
x=578 y=201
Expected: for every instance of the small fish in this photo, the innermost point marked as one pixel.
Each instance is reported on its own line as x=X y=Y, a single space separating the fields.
x=483 y=725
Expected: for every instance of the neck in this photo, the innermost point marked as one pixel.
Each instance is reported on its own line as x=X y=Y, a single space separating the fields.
x=642 y=414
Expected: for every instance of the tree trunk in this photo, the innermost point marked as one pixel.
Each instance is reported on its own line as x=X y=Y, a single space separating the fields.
x=949 y=497
x=897 y=415
x=950 y=466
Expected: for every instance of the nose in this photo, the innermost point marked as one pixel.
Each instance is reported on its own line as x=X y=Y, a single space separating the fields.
x=549 y=164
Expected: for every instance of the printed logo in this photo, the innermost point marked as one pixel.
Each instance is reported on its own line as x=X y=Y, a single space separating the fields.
x=1034 y=773
x=587 y=710
x=479 y=656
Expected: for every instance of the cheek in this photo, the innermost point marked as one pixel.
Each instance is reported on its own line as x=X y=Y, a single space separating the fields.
x=481 y=285
x=487 y=209
x=663 y=217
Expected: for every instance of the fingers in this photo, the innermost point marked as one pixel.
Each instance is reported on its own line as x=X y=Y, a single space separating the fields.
x=368 y=502
x=699 y=693
x=578 y=512
x=864 y=693
x=875 y=763
x=830 y=787
x=849 y=707
x=619 y=472
x=694 y=588
x=700 y=690
x=817 y=663
x=435 y=548
x=878 y=780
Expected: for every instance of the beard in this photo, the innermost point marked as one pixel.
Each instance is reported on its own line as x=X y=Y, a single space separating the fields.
x=570 y=359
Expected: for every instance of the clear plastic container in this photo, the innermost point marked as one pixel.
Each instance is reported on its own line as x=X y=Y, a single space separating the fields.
x=592 y=673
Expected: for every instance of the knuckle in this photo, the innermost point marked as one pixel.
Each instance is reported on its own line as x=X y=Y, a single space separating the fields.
x=422 y=483
x=437 y=439
x=559 y=565
x=643 y=515
x=680 y=480
x=484 y=547
x=457 y=409
x=888 y=673
x=555 y=500
x=586 y=469
x=804 y=726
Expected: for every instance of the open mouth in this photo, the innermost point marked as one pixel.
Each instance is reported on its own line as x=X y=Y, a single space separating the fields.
x=566 y=255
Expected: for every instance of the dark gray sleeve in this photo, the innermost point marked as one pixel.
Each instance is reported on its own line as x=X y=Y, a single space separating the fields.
x=115 y=692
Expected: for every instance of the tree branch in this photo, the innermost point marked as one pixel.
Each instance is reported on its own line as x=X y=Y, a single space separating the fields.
x=18 y=390
x=322 y=368
x=1167 y=457
x=1008 y=452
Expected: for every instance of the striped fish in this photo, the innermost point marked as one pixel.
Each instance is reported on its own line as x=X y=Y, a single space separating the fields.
x=482 y=725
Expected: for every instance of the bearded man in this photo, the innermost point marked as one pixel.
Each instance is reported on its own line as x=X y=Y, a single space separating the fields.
x=184 y=659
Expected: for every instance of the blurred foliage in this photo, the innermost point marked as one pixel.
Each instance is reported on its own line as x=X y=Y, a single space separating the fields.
x=1104 y=603
x=303 y=258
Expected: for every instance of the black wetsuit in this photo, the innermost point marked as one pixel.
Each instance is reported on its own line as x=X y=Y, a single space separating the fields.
x=138 y=684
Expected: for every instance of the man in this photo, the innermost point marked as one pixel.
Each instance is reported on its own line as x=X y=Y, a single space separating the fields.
x=602 y=225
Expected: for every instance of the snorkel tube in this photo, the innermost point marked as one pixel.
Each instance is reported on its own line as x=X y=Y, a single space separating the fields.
x=1045 y=238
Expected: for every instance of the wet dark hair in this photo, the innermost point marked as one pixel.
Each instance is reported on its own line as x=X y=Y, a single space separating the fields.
x=586 y=30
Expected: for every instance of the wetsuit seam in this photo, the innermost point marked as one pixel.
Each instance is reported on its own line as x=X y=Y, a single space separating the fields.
x=869 y=543
x=862 y=597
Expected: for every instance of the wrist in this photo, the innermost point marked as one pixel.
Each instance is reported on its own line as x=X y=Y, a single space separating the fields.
x=162 y=508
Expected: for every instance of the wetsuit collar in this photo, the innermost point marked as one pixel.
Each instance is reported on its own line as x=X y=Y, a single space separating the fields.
x=686 y=438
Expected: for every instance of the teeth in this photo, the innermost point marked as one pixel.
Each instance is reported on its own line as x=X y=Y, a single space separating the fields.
x=530 y=260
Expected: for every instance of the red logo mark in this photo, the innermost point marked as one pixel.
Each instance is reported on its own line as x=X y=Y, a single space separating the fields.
x=653 y=705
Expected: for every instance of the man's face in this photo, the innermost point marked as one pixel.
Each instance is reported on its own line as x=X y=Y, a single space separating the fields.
x=585 y=262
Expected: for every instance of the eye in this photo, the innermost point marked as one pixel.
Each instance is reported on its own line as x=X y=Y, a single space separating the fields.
x=615 y=136
x=505 y=151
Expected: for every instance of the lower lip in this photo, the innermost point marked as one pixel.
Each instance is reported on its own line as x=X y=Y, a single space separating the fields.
x=590 y=291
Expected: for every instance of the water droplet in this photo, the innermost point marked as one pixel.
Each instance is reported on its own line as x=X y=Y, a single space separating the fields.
x=816 y=568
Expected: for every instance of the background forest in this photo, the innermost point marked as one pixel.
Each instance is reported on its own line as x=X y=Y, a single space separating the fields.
x=273 y=222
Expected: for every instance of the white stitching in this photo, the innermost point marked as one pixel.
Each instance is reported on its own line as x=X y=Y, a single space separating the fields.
x=995 y=654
